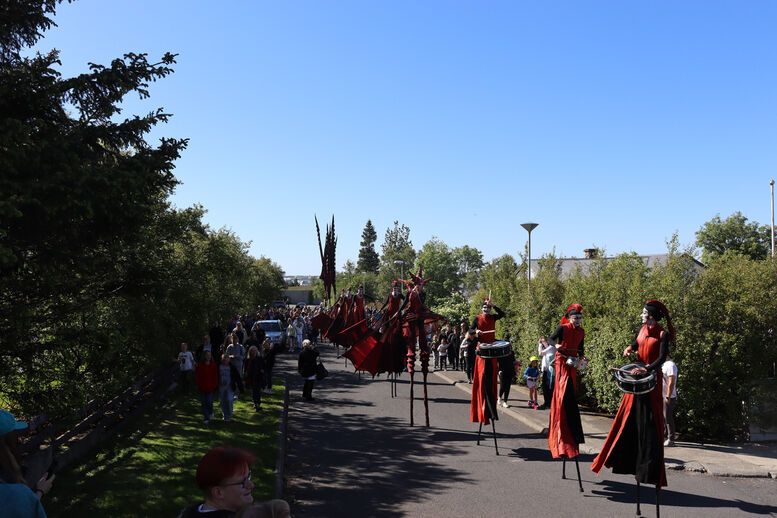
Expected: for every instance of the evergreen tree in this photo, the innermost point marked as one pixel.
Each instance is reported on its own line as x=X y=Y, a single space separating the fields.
x=369 y=261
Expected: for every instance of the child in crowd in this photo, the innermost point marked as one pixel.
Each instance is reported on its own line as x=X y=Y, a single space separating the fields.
x=531 y=375
x=225 y=388
x=434 y=343
x=442 y=349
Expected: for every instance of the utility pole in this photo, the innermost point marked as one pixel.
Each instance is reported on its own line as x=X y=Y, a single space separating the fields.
x=772 y=187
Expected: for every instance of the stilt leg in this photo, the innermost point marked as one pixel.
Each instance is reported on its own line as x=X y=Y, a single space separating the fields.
x=425 y=371
x=638 y=511
x=426 y=402
x=412 y=375
x=411 y=369
x=480 y=428
x=658 y=507
x=493 y=429
x=563 y=468
x=579 y=482
x=493 y=426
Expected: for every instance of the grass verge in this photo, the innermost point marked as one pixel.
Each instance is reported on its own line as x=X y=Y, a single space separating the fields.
x=147 y=470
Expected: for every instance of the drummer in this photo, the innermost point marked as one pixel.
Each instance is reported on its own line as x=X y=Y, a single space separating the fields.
x=635 y=442
x=484 y=380
x=565 y=430
x=485 y=323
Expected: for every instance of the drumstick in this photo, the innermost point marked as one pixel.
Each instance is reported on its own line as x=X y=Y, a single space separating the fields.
x=620 y=370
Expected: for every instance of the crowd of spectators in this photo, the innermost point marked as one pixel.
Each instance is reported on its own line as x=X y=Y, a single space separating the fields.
x=238 y=358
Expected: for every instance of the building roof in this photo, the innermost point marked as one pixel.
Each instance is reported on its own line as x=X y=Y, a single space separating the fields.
x=569 y=265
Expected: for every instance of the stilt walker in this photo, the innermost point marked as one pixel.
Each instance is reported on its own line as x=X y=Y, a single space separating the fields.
x=565 y=430
x=415 y=318
x=484 y=381
x=635 y=442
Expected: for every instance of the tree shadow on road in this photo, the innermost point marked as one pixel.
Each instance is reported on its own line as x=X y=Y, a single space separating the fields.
x=361 y=465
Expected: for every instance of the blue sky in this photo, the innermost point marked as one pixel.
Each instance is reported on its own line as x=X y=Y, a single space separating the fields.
x=611 y=124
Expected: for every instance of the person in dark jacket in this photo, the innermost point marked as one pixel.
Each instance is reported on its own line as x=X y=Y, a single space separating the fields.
x=306 y=365
x=268 y=355
x=254 y=368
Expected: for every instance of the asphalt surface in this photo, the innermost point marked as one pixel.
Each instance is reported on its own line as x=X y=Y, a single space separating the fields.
x=352 y=453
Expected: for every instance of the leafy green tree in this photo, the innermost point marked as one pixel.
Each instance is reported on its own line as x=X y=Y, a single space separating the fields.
x=369 y=261
x=469 y=262
x=396 y=247
x=733 y=235
x=438 y=263
x=454 y=308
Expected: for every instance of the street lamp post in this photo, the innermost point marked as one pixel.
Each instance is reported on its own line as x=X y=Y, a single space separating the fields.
x=529 y=227
x=401 y=268
x=772 y=186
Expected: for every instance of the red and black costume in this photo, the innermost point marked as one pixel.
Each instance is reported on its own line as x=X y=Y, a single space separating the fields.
x=484 y=381
x=635 y=442
x=414 y=320
x=379 y=348
x=337 y=319
x=357 y=311
x=565 y=431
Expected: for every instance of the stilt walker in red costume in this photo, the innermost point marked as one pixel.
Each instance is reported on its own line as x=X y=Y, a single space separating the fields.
x=414 y=320
x=357 y=310
x=635 y=442
x=389 y=328
x=484 y=382
x=565 y=430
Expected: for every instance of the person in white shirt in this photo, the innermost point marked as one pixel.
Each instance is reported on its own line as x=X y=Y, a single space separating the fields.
x=669 y=370
x=186 y=366
x=548 y=353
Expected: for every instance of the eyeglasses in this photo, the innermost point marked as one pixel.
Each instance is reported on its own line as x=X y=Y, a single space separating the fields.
x=242 y=483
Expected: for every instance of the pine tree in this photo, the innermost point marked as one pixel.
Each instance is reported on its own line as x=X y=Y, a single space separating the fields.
x=368 y=257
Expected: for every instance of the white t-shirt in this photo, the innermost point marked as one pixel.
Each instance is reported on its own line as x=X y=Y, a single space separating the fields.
x=669 y=368
x=547 y=352
x=185 y=361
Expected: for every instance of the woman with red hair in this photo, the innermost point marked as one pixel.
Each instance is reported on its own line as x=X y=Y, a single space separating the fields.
x=635 y=442
x=224 y=477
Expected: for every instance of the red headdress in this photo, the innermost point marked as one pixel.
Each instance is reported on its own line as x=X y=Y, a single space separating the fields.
x=658 y=311
x=573 y=309
x=416 y=278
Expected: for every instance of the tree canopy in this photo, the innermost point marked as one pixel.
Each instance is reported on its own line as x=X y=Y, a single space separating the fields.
x=100 y=277
x=733 y=235
x=396 y=247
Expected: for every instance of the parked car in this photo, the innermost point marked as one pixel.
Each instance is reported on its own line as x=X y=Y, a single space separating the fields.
x=274 y=331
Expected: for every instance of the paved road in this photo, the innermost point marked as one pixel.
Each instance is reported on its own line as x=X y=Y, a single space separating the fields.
x=352 y=453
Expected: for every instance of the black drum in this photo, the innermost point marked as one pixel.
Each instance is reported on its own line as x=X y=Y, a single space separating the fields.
x=629 y=384
x=498 y=349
